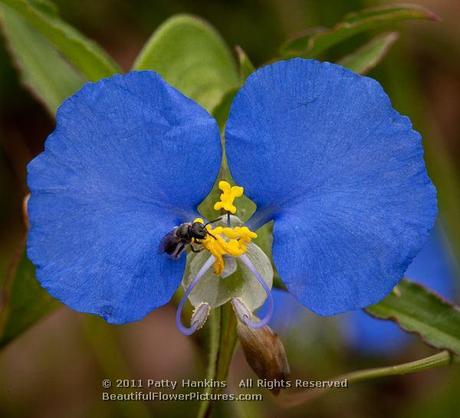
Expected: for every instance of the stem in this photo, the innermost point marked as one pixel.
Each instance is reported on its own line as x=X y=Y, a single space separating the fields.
x=228 y=338
x=7 y=284
x=222 y=342
x=213 y=347
x=442 y=358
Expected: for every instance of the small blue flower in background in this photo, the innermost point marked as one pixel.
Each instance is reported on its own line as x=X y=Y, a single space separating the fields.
x=319 y=149
x=433 y=268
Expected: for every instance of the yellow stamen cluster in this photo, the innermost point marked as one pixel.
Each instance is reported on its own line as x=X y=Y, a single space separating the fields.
x=228 y=195
x=226 y=241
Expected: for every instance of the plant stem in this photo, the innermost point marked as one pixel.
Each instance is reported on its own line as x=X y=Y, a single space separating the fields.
x=442 y=358
x=213 y=350
x=222 y=342
x=227 y=344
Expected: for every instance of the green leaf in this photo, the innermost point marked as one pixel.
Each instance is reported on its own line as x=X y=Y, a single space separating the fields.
x=46 y=6
x=24 y=302
x=419 y=311
x=87 y=57
x=369 y=55
x=246 y=67
x=191 y=56
x=50 y=78
x=222 y=110
x=318 y=40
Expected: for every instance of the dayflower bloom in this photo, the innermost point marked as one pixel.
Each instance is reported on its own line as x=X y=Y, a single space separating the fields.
x=319 y=149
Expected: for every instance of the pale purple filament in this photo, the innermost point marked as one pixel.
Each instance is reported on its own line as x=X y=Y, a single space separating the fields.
x=183 y=329
x=266 y=319
x=249 y=322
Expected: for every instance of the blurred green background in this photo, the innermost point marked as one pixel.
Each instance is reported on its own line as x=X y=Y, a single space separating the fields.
x=55 y=369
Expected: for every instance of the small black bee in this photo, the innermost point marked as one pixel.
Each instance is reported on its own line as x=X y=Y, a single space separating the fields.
x=175 y=242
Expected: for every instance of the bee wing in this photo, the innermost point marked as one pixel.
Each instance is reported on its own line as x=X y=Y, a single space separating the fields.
x=172 y=245
x=168 y=242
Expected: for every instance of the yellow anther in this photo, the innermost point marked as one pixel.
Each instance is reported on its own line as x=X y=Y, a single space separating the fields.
x=231 y=233
x=245 y=234
x=235 y=248
x=217 y=247
x=228 y=195
x=223 y=241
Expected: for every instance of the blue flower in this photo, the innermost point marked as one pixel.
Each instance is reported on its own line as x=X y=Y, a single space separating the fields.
x=130 y=158
x=318 y=148
x=322 y=152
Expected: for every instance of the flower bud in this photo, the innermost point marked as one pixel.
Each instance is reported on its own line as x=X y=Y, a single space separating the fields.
x=265 y=353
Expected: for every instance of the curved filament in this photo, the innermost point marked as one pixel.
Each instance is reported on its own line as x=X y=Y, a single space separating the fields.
x=195 y=324
x=246 y=317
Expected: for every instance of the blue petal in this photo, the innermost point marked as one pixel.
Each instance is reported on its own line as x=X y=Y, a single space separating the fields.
x=433 y=268
x=322 y=152
x=373 y=336
x=131 y=157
